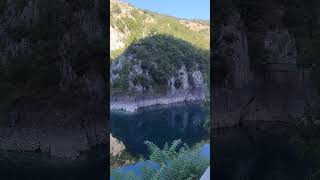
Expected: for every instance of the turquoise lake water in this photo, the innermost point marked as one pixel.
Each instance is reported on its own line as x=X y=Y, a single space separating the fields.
x=159 y=125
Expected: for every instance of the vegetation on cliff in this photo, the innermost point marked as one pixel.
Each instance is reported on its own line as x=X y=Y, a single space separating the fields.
x=161 y=56
x=140 y=23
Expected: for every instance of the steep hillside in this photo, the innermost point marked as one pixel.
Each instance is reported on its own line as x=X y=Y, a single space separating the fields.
x=130 y=24
x=156 y=59
x=159 y=63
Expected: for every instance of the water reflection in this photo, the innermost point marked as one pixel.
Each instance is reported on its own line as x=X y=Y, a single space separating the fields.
x=257 y=153
x=159 y=125
x=34 y=166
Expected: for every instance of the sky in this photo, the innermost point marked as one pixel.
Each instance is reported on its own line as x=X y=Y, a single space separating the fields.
x=186 y=9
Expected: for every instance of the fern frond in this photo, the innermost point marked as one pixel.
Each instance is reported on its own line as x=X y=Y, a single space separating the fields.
x=177 y=164
x=184 y=148
x=173 y=148
x=166 y=147
x=155 y=152
x=187 y=165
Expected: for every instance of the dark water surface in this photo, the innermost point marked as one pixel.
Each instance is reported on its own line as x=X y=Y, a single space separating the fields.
x=258 y=153
x=33 y=166
x=159 y=125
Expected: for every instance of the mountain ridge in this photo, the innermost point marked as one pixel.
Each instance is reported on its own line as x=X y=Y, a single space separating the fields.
x=129 y=24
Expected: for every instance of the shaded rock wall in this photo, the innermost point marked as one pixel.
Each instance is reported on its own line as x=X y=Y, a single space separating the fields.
x=257 y=76
x=60 y=128
x=53 y=82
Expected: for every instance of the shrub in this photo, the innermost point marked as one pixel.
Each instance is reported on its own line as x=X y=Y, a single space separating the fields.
x=176 y=163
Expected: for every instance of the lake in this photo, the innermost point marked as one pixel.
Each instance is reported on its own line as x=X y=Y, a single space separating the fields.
x=159 y=124
x=34 y=166
x=260 y=152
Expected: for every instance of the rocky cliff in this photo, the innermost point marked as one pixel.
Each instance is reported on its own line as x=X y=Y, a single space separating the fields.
x=52 y=76
x=261 y=72
x=158 y=69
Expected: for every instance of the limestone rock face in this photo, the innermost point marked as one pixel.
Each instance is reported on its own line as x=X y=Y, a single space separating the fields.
x=259 y=55
x=183 y=80
x=194 y=25
x=115 y=67
x=116 y=146
x=234 y=44
x=183 y=77
x=183 y=85
x=197 y=79
x=116 y=39
x=171 y=82
x=280 y=47
x=94 y=85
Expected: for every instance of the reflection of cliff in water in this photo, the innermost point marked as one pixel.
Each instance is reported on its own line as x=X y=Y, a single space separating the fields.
x=262 y=151
x=40 y=166
x=159 y=125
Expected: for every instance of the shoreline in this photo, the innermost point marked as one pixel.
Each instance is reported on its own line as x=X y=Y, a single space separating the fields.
x=50 y=141
x=131 y=104
x=79 y=157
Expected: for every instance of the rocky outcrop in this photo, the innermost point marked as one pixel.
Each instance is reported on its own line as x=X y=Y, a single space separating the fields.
x=179 y=87
x=116 y=146
x=195 y=26
x=234 y=44
x=117 y=39
x=158 y=70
